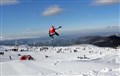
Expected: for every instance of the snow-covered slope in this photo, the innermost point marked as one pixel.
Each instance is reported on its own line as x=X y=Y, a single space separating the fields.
x=77 y=60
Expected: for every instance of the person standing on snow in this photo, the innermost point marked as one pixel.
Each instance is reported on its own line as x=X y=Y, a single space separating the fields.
x=10 y=57
x=52 y=31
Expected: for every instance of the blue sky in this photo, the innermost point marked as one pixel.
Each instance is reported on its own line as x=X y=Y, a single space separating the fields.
x=32 y=18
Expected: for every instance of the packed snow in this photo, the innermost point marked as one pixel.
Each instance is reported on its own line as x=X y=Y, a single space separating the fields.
x=77 y=60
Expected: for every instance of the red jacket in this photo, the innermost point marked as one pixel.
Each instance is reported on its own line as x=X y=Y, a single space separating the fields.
x=26 y=57
x=51 y=30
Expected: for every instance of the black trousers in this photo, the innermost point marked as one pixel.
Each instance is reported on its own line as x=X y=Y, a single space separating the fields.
x=53 y=34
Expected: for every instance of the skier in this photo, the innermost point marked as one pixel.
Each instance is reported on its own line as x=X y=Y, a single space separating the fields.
x=10 y=57
x=52 y=31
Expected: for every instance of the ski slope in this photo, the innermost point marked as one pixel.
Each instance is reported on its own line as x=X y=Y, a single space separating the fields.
x=77 y=60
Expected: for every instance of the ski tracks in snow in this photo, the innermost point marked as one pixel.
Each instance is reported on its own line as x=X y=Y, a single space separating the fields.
x=40 y=67
x=26 y=68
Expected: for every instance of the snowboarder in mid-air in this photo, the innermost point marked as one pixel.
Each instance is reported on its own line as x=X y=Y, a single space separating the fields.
x=52 y=31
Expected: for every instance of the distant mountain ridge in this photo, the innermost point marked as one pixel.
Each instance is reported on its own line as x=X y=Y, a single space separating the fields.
x=110 y=41
x=102 y=41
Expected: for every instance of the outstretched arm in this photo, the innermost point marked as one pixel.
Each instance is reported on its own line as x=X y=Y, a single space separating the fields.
x=58 y=27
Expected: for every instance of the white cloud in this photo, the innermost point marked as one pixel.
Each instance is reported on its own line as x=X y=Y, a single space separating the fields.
x=52 y=10
x=106 y=1
x=6 y=2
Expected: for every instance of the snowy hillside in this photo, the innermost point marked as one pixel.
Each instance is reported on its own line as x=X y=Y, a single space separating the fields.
x=77 y=60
